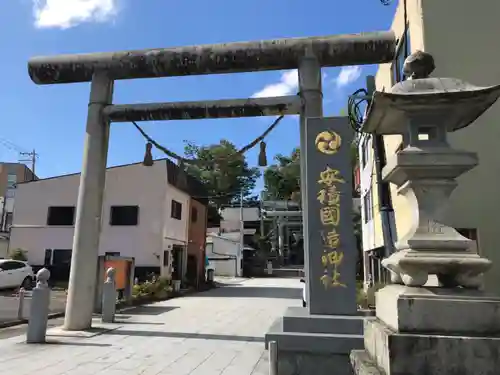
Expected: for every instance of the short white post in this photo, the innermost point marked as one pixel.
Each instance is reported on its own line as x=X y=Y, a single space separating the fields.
x=39 y=309
x=20 y=307
x=109 y=297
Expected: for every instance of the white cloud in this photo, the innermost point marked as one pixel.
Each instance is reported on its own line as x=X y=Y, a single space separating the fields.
x=347 y=75
x=289 y=82
x=287 y=85
x=64 y=14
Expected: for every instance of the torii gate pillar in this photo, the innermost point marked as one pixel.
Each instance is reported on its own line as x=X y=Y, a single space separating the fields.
x=102 y=69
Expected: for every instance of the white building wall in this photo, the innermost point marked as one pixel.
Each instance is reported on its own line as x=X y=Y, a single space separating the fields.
x=176 y=231
x=126 y=185
x=223 y=251
x=366 y=177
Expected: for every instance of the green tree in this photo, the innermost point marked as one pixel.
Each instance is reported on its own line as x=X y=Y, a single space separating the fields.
x=224 y=172
x=18 y=254
x=282 y=180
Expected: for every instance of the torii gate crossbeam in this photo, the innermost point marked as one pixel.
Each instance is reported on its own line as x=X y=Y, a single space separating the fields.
x=307 y=55
x=239 y=57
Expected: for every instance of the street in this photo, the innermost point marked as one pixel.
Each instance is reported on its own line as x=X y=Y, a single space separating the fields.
x=216 y=332
x=9 y=305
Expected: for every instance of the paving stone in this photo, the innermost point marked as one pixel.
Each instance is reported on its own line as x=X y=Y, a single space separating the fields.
x=219 y=332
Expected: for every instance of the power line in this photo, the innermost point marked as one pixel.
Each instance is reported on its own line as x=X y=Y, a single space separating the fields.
x=11 y=145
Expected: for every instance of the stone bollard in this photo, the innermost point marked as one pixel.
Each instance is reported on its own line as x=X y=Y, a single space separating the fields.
x=20 y=307
x=269 y=268
x=39 y=309
x=273 y=358
x=109 y=297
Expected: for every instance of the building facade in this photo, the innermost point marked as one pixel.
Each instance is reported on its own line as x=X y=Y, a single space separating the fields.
x=10 y=175
x=197 y=235
x=225 y=254
x=145 y=216
x=463 y=47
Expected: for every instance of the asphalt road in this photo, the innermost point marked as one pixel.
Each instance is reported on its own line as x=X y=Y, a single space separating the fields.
x=9 y=305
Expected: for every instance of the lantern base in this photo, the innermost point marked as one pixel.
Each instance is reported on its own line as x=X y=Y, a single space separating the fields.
x=453 y=269
x=430 y=331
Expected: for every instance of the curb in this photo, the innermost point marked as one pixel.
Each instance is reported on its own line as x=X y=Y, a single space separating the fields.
x=19 y=322
x=119 y=308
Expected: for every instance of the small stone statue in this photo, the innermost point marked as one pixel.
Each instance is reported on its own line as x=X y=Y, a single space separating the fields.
x=110 y=275
x=42 y=278
x=419 y=65
x=109 y=295
x=39 y=309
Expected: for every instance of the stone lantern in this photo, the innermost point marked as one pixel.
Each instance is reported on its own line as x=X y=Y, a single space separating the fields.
x=449 y=329
x=424 y=110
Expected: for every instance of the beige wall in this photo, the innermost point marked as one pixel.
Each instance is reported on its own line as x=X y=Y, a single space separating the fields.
x=175 y=232
x=22 y=171
x=462 y=35
x=129 y=185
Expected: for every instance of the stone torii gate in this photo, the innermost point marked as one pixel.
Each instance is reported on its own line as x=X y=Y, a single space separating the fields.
x=102 y=69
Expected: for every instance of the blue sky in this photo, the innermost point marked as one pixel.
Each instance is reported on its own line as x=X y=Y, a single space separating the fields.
x=51 y=119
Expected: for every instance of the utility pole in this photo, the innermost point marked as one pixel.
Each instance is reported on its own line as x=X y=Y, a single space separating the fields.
x=239 y=252
x=262 y=214
x=31 y=159
x=242 y=225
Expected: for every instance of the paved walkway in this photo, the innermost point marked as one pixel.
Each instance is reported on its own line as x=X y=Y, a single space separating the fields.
x=219 y=332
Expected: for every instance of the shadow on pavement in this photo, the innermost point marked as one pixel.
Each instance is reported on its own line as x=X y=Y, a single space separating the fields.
x=254 y=292
x=69 y=343
x=118 y=321
x=150 y=310
x=200 y=336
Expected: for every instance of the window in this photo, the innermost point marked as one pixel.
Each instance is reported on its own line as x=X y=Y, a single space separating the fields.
x=124 y=215
x=365 y=156
x=11 y=181
x=61 y=215
x=402 y=53
x=112 y=254
x=12 y=265
x=61 y=257
x=368 y=206
x=166 y=258
x=8 y=221
x=194 y=215
x=176 y=210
